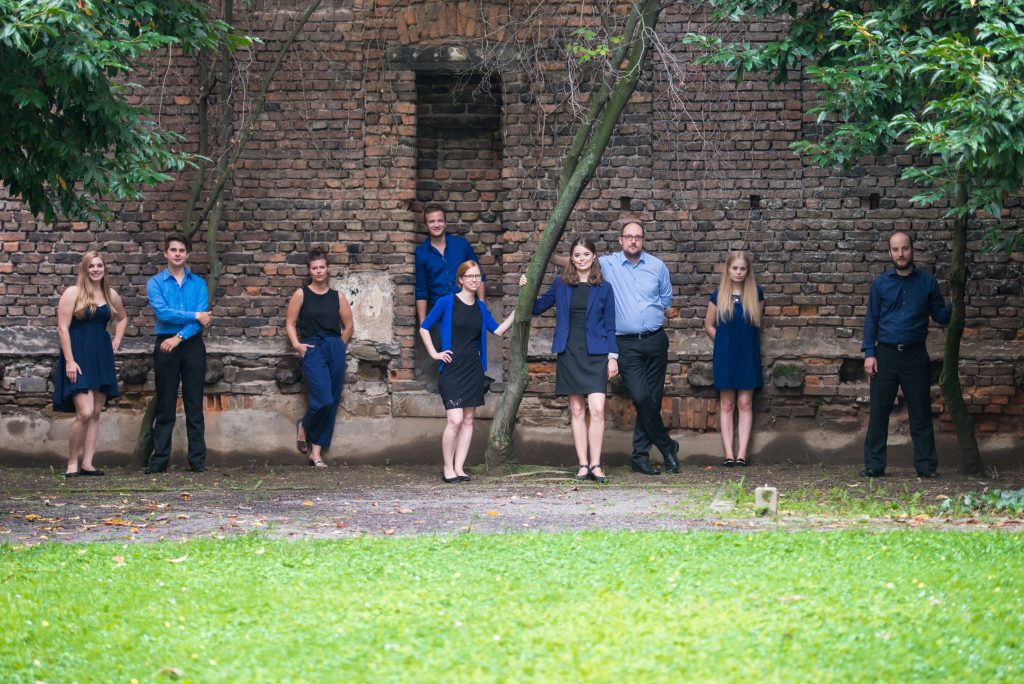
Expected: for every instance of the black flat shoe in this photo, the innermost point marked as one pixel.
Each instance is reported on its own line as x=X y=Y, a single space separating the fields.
x=728 y=463
x=741 y=462
x=464 y=478
x=90 y=473
x=450 y=480
x=586 y=474
x=77 y=473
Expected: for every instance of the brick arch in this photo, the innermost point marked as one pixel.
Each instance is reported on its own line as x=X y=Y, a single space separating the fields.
x=429 y=22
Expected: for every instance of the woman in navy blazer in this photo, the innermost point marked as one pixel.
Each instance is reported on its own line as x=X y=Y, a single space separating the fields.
x=585 y=344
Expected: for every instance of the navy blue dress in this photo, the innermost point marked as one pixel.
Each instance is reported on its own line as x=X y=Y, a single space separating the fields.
x=94 y=354
x=737 y=356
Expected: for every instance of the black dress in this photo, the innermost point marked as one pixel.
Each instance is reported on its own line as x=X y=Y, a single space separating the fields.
x=462 y=381
x=578 y=371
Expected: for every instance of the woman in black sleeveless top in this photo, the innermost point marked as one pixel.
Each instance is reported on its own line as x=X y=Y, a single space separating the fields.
x=319 y=325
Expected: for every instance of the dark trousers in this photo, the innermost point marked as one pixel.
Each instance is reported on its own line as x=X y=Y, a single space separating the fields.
x=184 y=367
x=323 y=367
x=642 y=365
x=910 y=371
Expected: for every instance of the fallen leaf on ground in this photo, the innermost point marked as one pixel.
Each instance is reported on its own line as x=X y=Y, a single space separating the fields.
x=789 y=599
x=307 y=503
x=178 y=560
x=390 y=531
x=492 y=513
x=185 y=496
x=32 y=516
x=118 y=560
x=117 y=521
x=405 y=510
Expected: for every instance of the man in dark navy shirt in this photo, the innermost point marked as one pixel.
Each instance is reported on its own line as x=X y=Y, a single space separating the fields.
x=895 y=329
x=437 y=259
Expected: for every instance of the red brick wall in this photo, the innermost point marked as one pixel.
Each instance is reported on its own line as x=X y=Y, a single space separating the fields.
x=356 y=137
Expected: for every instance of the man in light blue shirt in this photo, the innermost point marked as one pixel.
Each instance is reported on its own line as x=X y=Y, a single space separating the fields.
x=179 y=300
x=642 y=293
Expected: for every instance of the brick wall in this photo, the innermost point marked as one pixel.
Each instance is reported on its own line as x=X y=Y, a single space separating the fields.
x=363 y=126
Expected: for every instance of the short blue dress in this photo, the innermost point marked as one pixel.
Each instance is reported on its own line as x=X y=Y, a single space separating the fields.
x=94 y=354
x=737 y=356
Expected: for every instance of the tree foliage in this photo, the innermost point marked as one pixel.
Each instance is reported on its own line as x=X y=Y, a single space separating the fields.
x=945 y=78
x=70 y=136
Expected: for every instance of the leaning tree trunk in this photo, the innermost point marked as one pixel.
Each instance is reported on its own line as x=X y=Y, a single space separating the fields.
x=968 y=457
x=212 y=211
x=581 y=161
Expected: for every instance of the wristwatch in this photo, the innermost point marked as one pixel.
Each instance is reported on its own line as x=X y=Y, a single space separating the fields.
x=180 y=336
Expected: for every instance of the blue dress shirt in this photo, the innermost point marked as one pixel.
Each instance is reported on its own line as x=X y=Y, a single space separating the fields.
x=175 y=306
x=899 y=307
x=435 y=273
x=642 y=291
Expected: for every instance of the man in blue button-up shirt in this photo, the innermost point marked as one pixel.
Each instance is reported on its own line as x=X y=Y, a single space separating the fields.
x=643 y=291
x=895 y=330
x=180 y=300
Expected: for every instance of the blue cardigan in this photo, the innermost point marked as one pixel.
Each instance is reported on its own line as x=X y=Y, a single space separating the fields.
x=442 y=311
x=600 y=323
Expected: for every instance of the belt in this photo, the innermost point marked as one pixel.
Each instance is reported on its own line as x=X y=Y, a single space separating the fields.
x=901 y=347
x=639 y=335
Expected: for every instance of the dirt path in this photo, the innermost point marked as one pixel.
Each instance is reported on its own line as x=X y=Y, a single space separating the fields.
x=126 y=505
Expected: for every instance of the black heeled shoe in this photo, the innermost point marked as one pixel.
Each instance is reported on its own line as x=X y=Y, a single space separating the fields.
x=601 y=479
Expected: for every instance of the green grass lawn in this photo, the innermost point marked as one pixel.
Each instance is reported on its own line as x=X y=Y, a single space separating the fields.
x=615 y=607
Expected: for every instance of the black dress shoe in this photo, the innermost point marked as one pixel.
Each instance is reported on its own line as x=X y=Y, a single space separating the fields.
x=929 y=476
x=672 y=458
x=643 y=465
x=871 y=473
x=154 y=471
x=199 y=469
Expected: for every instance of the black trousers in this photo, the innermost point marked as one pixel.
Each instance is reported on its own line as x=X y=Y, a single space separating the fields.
x=642 y=365
x=909 y=370
x=184 y=367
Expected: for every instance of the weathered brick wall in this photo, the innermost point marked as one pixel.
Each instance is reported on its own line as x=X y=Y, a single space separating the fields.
x=361 y=130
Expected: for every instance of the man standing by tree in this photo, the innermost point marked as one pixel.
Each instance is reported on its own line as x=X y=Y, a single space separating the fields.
x=180 y=300
x=437 y=259
x=895 y=330
x=642 y=292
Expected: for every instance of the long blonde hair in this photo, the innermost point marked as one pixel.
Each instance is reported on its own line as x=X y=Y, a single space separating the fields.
x=748 y=294
x=84 y=304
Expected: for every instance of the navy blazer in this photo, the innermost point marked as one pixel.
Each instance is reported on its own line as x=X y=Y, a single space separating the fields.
x=600 y=323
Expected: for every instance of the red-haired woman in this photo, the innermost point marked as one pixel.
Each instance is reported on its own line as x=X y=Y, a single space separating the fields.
x=465 y=322
x=85 y=377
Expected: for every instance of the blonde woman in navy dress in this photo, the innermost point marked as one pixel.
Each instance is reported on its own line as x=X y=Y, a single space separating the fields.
x=588 y=356
x=85 y=377
x=319 y=326
x=465 y=321
x=733 y=322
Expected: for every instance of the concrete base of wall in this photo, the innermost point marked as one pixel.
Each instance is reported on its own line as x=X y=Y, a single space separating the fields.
x=258 y=435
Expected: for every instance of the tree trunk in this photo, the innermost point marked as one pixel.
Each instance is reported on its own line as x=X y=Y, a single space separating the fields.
x=968 y=457
x=231 y=148
x=580 y=165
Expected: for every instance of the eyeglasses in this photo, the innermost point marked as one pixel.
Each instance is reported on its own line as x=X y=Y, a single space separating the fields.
x=472 y=277
x=633 y=238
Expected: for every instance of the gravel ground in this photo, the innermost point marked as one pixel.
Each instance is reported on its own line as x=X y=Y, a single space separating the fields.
x=39 y=505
